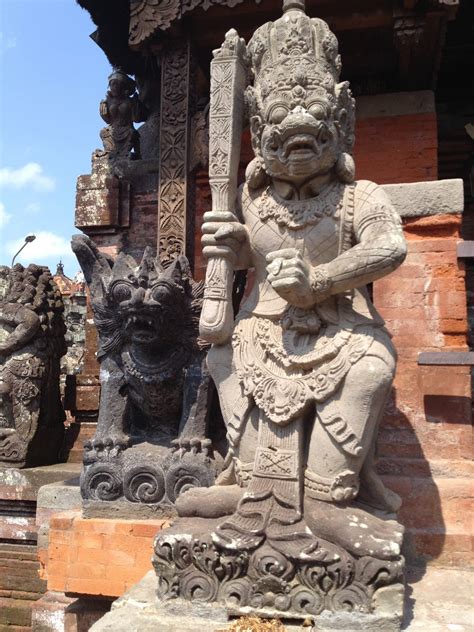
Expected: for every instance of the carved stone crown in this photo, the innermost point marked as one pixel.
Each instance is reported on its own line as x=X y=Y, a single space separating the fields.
x=295 y=61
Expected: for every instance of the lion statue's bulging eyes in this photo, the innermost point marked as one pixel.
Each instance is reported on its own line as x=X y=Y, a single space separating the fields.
x=160 y=293
x=121 y=292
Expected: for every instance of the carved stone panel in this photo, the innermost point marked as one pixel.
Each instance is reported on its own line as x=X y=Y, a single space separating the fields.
x=175 y=182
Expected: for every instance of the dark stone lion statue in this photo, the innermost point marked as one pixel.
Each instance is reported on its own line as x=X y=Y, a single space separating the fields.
x=152 y=439
x=31 y=345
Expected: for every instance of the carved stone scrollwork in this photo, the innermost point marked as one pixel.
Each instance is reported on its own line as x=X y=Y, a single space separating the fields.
x=144 y=484
x=176 y=181
x=268 y=582
x=102 y=481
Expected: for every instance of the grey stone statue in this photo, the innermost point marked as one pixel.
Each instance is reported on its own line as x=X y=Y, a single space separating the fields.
x=120 y=109
x=151 y=441
x=304 y=522
x=31 y=345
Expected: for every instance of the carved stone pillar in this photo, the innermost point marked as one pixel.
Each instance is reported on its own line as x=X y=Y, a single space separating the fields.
x=175 y=189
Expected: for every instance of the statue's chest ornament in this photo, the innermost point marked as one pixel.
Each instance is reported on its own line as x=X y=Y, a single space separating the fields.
x=160 y=371
x=296 y=214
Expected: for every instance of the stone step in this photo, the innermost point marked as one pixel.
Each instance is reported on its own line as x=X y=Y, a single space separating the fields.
x=16 y=612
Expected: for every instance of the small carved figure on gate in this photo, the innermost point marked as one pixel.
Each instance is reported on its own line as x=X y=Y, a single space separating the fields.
x=120 y=109
x=31 y=345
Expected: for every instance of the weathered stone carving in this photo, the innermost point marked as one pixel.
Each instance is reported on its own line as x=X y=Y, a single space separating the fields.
x=120 y=109
x=175 y=177
x=303 y=374
x=148 y=16
x=151 y=441
x=31 y=345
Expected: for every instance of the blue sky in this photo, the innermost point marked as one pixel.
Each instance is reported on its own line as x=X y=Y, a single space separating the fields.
x=52 y=77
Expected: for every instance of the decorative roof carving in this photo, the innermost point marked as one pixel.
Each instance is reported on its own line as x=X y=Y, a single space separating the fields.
x=147 y=16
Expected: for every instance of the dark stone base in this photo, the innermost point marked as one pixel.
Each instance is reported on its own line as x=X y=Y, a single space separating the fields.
x=143 y=481
x=266 y=583
x=139 y=609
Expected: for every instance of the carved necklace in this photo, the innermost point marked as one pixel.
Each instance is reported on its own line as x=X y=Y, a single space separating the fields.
x=296 y=214
x=161 y=370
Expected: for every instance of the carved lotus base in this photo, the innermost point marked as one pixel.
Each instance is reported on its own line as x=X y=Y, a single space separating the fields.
x=190 y=566
x=143 y=475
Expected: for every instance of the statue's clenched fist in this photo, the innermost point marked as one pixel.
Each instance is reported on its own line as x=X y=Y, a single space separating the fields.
x=295 y=280
x=223 y=235
x=289 y=275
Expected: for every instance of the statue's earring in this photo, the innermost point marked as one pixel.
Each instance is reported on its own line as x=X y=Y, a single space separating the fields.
x=255 y=174
x=345 y=168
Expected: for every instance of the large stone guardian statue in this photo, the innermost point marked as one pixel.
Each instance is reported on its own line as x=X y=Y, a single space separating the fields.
x=302 y=523
x=152 y=439
x=31 y=345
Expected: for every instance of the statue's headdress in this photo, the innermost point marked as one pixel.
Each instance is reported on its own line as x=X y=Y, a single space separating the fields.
x=295 y=61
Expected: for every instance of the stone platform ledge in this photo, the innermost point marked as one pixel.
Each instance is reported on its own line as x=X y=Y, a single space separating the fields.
x=98 y=557
x=24 y=484
x=423 y=199
x=55 y=612
x=438 y=600
x=19 y=489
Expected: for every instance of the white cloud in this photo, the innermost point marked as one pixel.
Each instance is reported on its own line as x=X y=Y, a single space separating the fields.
x=45 y=246
x=4 y=216
x=30 y=174
x=33 y=208
x=6 y=43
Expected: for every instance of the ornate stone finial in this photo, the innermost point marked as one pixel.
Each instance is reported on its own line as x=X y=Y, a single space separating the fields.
x=294 y=4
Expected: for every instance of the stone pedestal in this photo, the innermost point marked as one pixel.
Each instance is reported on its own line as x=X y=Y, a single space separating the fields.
x=20 y=582
x=334 y=590
x=138 y=610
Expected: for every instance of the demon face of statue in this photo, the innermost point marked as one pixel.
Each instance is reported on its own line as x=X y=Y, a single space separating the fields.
x=301 y=118
x=151 y=307
x=302 y=144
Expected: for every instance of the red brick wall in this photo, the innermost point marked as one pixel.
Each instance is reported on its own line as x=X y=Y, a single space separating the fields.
x=97 y=556
x=395 y=149
x=425 y=440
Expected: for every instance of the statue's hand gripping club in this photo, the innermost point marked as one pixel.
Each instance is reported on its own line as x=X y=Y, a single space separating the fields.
x=228 y=82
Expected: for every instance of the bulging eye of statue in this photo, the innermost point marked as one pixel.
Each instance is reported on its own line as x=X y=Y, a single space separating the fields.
x=160 y=293
x=277 y=114
x=318 y=110
x=122 y=292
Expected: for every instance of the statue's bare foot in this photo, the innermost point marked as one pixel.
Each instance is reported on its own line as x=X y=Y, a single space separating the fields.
x=354 y=529
x=209 y=502
x=106 y=446
x=374 y=493
x=192 y=445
